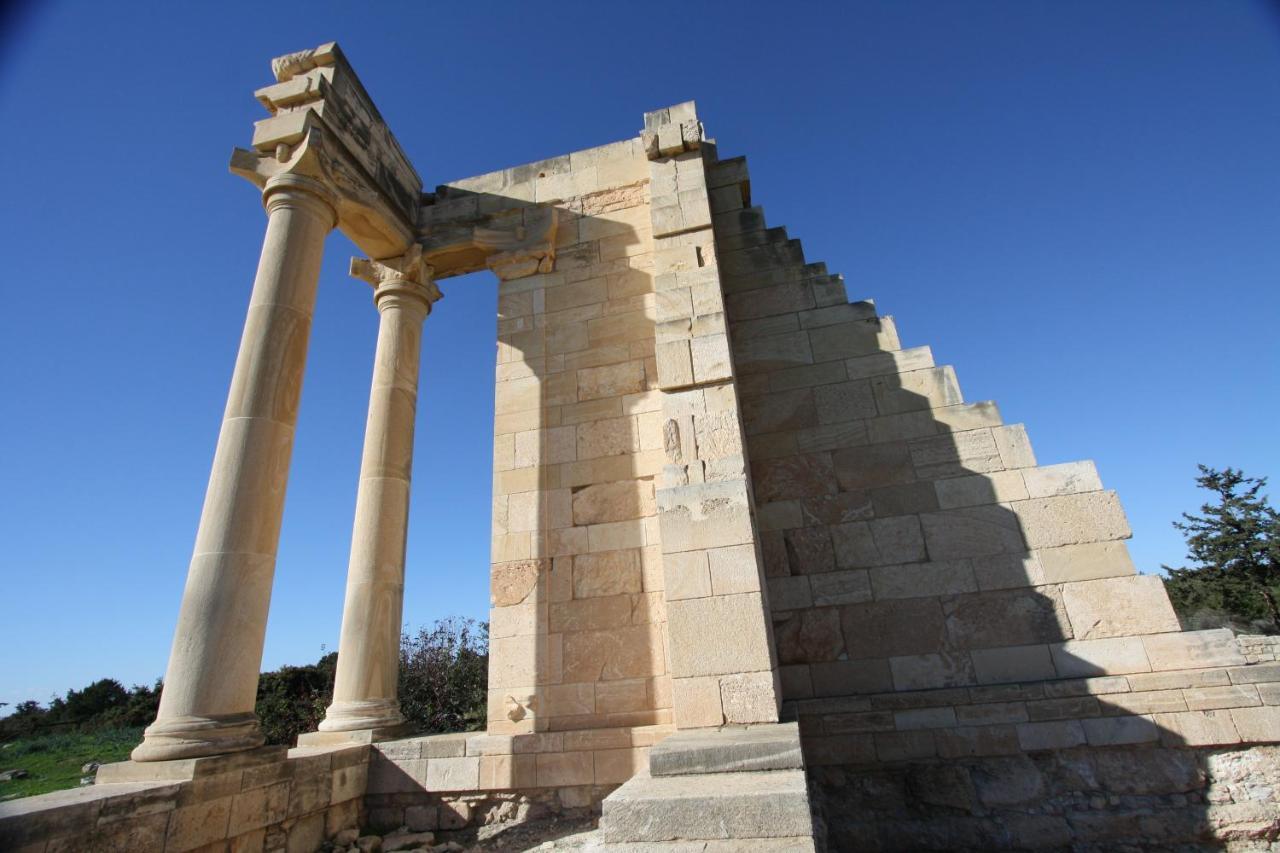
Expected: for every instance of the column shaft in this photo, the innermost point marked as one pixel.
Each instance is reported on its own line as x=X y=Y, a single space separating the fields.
x=365 y=694
x=212 y=678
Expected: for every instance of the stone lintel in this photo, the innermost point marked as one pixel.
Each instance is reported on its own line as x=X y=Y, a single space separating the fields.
x=319 y=107
x=513 y=243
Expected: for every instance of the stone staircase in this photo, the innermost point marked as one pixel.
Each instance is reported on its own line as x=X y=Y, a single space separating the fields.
x=714 y=790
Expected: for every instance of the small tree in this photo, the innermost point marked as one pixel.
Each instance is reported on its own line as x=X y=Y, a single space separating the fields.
x=1235 y=543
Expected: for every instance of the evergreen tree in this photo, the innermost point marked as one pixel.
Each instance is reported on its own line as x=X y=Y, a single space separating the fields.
x=1235 y=546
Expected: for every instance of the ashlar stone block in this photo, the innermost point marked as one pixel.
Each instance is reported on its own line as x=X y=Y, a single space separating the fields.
x=1066 y=479
x=704 y=515
x=692 y=622
x=1087 y=561
x=1072 y=519
x=1192 y=649
x=1118 y=607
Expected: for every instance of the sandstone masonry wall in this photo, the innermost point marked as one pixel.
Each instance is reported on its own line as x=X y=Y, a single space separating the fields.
x=578 y=619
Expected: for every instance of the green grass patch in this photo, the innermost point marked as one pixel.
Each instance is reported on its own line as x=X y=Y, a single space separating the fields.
x=54 y=760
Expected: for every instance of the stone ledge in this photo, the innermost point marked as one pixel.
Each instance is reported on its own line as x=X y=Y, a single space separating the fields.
x=768 y=747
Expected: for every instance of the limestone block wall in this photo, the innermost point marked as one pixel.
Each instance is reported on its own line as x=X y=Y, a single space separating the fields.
x=910 y=538
x=578 y=613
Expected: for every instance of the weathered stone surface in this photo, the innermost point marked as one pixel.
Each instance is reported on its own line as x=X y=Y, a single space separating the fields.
x=740 y=616
x=799 y=476
x=1099 y=657
x=1084 y=562
x=1192 y=649
x=1072 y=519
x=511 y=583
x=873 y=466
x=810 y=635
x=973 y=532
x=620 y=501
x=1118 y=607
x=606 y=573
x=1065 y=479
x=728 y=805
x=809 y=550
x=611 y=380
x=1006 y=618
x=882 y=629
x=775 y=747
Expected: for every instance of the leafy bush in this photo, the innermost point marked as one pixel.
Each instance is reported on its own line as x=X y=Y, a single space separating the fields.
x=444 y=676
x=293 y=699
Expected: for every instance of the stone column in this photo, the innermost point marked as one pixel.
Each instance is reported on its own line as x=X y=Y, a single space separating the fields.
x=212 y=679
x=364 y=694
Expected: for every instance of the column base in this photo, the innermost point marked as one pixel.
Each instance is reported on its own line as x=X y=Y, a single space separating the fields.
x=196 y=737
x=348 y=716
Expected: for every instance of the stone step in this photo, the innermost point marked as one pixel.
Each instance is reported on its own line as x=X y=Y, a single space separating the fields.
x=775 y=747
x=710 y=806
x=748 y=845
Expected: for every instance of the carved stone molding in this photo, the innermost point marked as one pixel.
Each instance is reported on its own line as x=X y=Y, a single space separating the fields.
x=324 y=125
x=410 y=269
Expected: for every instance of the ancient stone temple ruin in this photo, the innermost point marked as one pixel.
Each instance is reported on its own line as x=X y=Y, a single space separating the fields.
x=762 y=579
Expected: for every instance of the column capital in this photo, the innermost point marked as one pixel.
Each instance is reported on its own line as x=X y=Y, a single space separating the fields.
x=406 y=275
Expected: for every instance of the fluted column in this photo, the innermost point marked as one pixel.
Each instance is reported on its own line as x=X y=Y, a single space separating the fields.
x=212 y=678
x=364 y=693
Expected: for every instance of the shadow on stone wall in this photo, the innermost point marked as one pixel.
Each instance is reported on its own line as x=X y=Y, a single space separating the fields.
x=923 y=643
x=951 y=719
x=575 y=632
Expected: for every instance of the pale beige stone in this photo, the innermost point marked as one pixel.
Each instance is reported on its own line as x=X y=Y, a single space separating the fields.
x=686 y=575
x=750 y=697
x=606 y=573
x=706 y=515
x=619 y=501
x=1118 y=607
x=1077 y=658
x=979 y=489
x=1015 y=446
x=742 y=617
x=610 y=437
x=1193 y=649
x=1257 y=725
x=697 y=702
x=1088 y=561
x=734 y=569
x=614 y=766
x=1066 y=479
x=1072 y=519
x=1197 y=728
x=612 y=380
x=565 y=768
x=453 y=774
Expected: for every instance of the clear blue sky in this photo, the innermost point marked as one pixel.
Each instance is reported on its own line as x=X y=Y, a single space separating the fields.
x=1077 y=204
